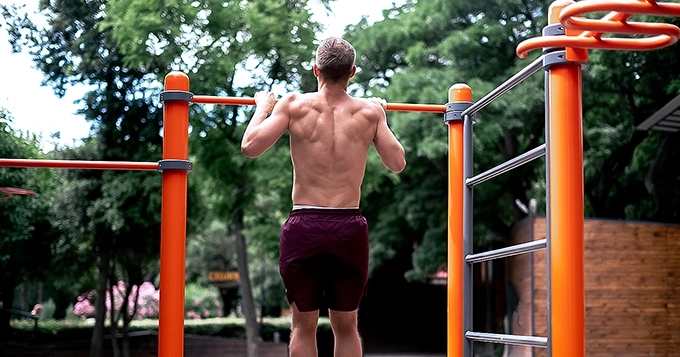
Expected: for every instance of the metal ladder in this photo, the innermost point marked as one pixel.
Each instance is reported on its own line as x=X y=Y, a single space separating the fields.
x=565 y=43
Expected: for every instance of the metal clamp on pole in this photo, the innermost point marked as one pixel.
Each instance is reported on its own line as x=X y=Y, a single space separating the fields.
x=554 y=54
x=559 y=57
x=177 y=95
x=454 y=111
x=183 y=165
x=553 y=30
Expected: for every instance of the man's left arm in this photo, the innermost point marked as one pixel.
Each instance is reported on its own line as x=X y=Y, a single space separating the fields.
x=263 y=129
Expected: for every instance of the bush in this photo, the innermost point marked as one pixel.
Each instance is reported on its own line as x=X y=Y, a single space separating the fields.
x=202 y=302
x=48 y=308
x=52 y=331
x=70 y=314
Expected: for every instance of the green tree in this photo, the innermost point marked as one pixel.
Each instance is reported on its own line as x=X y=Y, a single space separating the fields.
x=212 y=249
x=630 y=173
x=25 y=228
x=123 y=213
x=415 y=55
x=421 y=48
x=228 y=48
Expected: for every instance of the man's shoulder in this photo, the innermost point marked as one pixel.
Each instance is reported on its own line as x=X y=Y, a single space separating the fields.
x=292 y=98
x=299 y=95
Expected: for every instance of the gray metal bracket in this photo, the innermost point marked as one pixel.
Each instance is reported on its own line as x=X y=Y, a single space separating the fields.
x=183 y=165
x=454 y=111
x=558 y=57
x=554 y=30
x=177 y=95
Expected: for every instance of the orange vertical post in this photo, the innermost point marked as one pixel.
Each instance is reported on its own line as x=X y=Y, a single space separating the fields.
x=173 y=221
x=456 y=249
x=565 y=219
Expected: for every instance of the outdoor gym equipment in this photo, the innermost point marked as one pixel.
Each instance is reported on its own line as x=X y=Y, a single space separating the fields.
x=565 y=43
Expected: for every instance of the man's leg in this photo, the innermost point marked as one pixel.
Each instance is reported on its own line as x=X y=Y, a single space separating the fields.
x=303 y=336
x=347 y=340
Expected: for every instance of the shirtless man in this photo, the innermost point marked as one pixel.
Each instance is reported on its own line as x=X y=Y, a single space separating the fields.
x=324 y=242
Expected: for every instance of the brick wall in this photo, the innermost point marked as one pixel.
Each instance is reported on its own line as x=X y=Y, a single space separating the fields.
x=632 y=272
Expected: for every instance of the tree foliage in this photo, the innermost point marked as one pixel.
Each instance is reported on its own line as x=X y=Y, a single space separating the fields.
x=25 y=227
x=118 y=212
x=421 y=48
x=229 y=48
x=414 y=56
x=629 y=173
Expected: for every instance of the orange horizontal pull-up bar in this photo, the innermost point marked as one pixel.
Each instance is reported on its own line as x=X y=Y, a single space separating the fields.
x=399 y=107
x=209 y=99
x=76 y=164
x=425 y=108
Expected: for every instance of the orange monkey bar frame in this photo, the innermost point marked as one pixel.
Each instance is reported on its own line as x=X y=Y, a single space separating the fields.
x=565 y=176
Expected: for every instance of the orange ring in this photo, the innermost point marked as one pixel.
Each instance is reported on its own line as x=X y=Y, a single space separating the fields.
x=615 y=22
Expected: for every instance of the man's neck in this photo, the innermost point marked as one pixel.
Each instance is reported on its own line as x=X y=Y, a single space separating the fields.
x=332 y=87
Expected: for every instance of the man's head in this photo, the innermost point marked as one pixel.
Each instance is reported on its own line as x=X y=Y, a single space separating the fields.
x=335 y=60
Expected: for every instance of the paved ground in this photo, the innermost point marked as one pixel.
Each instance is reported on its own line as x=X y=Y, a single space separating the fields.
x=403 y=355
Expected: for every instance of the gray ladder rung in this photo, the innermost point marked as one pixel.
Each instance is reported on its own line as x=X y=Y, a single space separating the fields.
x=533 y=341
x=518 y=161
x=508 y=251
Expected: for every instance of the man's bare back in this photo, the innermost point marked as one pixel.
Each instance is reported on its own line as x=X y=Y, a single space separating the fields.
x=330 y=135
x=329 y=141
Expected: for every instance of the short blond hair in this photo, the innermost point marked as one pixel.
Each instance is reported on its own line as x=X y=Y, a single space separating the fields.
x=335 y=59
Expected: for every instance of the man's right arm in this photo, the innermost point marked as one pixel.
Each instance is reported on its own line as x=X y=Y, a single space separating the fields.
x=389 y=149
x=262 y=131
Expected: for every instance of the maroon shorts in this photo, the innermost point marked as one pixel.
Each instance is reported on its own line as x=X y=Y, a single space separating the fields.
x=324 y=258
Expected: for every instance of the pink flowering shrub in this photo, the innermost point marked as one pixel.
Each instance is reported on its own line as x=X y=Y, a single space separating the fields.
x=84 y=306
x=147 y=303
x=194 y=316
x=200 y=302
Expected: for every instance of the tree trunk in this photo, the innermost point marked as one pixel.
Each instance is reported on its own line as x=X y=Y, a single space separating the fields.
x=96 y=347
x=23 y=305
x=246 y=289
x=127 y=316
x=114 y=321
x=126 y=338
x=7 y=286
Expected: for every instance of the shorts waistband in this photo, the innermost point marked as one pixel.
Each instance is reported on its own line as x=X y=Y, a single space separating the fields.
x=296 y=207
x=326 y=211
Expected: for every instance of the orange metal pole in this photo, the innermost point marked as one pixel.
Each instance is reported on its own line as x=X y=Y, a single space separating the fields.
x=566 y=202
x=404 y=107
x=565 y=220
x=456 y=252
x=76 y=164
x=173 y=221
